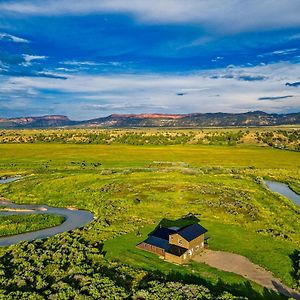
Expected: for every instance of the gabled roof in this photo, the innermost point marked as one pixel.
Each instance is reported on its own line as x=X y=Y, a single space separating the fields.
x=157 y=242
x=163 y=232
x=191 y=232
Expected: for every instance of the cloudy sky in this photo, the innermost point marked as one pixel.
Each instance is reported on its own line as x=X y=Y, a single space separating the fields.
x=92 y=58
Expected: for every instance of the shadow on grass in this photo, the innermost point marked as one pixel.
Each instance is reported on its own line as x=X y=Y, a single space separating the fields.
x=186 y=220
x=284 y=291
x=242 y=289
x=295 y=258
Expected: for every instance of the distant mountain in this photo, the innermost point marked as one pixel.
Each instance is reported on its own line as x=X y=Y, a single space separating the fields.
x=36 y=122
x=255 y=118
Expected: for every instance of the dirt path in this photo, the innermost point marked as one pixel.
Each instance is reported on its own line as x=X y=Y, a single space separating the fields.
x=241 y=265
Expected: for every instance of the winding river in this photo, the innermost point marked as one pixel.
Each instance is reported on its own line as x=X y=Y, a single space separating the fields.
x=78 y=218
x=73 y=219
x=284 y=190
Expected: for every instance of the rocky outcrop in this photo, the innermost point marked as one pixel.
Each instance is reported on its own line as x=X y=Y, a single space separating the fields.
x=36 y=122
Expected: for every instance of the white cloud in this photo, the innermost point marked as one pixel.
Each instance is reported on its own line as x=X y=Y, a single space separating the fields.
x=28 y=58
x=218 y=58
x=12 y=38
x=222 y=16
x=194 y=90
x=53 y=75
x=294 y=37
x=86 y=64
x=79 y=63
x=123 y=106
x=148 y=92
x=281 y=52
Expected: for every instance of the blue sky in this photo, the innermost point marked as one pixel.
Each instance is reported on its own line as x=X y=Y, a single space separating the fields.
x=92 y=58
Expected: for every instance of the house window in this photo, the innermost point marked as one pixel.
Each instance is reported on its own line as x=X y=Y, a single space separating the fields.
x=179 y=241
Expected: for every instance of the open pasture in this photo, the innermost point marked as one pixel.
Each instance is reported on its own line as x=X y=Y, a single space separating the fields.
x=131 y=188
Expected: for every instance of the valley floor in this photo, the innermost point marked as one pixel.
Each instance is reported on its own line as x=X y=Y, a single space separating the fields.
x=132 y=188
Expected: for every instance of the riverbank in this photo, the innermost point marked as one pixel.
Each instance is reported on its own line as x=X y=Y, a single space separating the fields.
x=63 y=220
x=284 y=190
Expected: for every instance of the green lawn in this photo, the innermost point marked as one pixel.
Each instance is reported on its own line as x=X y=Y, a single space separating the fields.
x=123 y=249
x=229 y=238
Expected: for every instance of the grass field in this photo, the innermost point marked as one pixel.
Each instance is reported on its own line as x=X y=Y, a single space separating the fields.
x=131 y=188
x=24 y=157
x=123 y=250
x=11 y=225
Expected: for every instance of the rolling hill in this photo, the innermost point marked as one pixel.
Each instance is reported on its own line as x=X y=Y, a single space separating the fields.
x=194 y=120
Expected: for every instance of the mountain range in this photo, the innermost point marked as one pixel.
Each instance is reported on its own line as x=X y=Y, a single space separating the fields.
x=193 y=120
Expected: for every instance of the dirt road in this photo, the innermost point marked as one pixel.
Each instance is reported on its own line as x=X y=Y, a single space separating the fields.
x=242 y=266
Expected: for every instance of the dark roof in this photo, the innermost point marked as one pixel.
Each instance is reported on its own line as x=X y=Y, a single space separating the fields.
x=163 y=232
x=176 y=250
x=157 y=242
x=192 y=231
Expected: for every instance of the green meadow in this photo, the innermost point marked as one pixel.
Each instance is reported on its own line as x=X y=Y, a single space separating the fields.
x=11 y=225
x=130 y=189
x=25 y=157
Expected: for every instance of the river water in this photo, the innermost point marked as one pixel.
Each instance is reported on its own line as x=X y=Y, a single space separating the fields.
x=78 y=218
x=284 y=190
x=10 y=179
x=73 y=219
